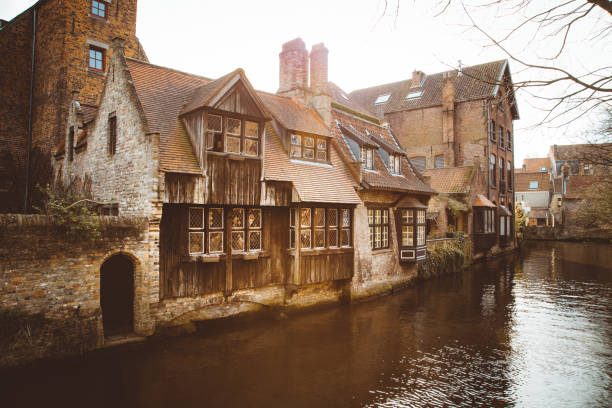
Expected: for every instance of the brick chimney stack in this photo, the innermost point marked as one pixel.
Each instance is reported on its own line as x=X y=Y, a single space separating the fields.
x=318 y=68
x=417 y=78
x=118 y=46
x=448 y=117
x=293 y=72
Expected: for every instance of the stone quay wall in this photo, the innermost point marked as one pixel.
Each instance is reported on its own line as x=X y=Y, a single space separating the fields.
x=50 y=285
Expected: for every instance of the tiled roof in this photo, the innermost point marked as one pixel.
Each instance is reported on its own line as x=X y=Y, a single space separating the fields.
x=577 y=185
x=313 y=182
x=339 y=96
x=538 y=213
x=534 y=165
x=380 y=177
x=475 y=82
x=450 y=179
x=521 y=181
x=162 y=93
x=482 y=201
x=292 y=115
x=202 y=95
x=580 y=151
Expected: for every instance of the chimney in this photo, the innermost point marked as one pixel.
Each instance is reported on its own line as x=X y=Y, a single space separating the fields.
x=448 y=117
x=293 y=72
x=318 y=68
x=417 y=78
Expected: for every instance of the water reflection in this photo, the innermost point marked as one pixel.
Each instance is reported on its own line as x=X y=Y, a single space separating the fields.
x=530 y=331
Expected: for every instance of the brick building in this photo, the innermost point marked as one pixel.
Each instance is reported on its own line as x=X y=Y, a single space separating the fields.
x=533 y=190
x=457 y=119
x=54 y=48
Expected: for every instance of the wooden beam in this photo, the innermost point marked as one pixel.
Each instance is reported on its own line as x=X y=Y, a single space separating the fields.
x=228 y=251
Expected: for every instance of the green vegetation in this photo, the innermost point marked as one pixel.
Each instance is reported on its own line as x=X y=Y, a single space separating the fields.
x=449 y=257
x=74 y=219
x=520 y=218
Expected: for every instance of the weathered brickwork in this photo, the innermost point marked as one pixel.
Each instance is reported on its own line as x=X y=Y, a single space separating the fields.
x=64 y=32
x=42 y=272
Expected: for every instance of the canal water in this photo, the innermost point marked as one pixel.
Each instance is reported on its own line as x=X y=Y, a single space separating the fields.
x=533 y=330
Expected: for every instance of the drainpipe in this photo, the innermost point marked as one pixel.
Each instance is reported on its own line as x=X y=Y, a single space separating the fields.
x=29 y=140
x=488 y=158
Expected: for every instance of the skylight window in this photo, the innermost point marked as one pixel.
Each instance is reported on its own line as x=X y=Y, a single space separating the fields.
x=342 y=94
x=414 y=95
x=382 y=99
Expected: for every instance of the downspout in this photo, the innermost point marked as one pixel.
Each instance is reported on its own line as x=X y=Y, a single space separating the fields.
x=488 y=158
x=29 y=139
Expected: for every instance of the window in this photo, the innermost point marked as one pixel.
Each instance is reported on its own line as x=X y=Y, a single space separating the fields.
x=206 y=230
x=112 y=134
x=96 y=58
x=484 y=220
x=71 y=144
x=232 y=135
x=492 y=169
x=367 y=157
x=587 y=169
x=309 y=148
x=533 y=185
x=509 y=170
x=382 y=99
x=509 y=139
x=412 y=227
x=378 y=219
x=502 y=169
x=439 y=161
x=418 y=162
x=543 y=168
x=492 y=131
x=501 y=137
x=414 y=95
x=320 y=227
x=98 y=9
x=395 y=164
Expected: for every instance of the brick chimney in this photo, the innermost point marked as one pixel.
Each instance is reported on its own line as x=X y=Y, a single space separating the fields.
x=319 y=98
x=417 y=78
x=448 y=117
x=293 y=70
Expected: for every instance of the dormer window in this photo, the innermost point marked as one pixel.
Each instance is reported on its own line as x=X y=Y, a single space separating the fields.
x=98 y=9
x=309 y=148
x=413 y=95
x=232 y=135
x=395 y=161
x=382 y=99
x=367 y=157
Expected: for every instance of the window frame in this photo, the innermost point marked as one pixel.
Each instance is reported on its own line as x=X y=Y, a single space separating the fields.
x=382 y=99
x=207 y=229
x=93 y=13
x=112 y=134
x=316 y=140
x=416 y=219
x=492 y=130
x=534 y=185
x=501 y=137
x=493 y=170
x=102 y=59
x=508 y=140
x=217 y=140
x=395 y=164
x=332 y=226
x=509 y=178
x=380 y=223
x=367 y=157
x=437 y=157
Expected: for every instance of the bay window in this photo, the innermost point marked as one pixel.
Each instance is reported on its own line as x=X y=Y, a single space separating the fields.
x=412 y=224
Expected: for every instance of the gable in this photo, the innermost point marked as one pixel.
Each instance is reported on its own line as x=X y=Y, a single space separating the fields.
x=238 y=100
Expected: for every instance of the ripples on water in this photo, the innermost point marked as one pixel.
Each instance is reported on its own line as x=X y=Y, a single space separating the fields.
x=517 y=332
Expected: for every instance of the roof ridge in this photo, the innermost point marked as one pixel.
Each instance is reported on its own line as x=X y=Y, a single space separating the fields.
x=168 y=68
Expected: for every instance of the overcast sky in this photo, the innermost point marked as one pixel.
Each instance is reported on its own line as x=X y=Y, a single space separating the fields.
x=366 y=48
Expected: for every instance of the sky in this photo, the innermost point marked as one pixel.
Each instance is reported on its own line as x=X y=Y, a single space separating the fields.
x=367 y=46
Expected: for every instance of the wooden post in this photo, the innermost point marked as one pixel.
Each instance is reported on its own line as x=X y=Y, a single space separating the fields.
x=228 y=252
x=298 y=245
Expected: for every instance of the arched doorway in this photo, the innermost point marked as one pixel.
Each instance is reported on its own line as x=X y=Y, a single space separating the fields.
x=117 y=295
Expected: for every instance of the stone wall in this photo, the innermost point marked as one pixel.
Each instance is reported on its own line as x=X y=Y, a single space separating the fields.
x=44 y=273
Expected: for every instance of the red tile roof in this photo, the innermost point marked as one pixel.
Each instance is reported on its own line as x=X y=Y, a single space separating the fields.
x=380 y=177
x=339 y=96
x=162 y=93
x=450 y=179
x=313 y=182
x=292 y=115
x=482 y=201
x=475 y=82
x=580 y=151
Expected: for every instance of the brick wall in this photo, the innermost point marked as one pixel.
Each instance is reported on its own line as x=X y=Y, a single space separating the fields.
x=41 y=272
x=63 y=33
